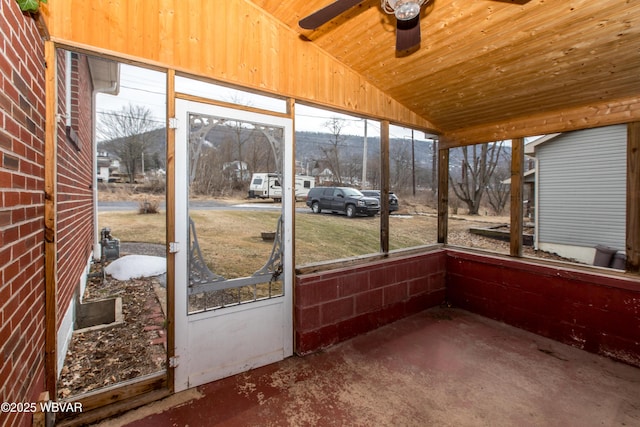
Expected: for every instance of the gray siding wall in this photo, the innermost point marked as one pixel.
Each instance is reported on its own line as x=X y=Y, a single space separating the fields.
x=582 y=188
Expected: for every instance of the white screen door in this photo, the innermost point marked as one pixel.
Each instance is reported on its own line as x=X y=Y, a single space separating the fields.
x=233 y=290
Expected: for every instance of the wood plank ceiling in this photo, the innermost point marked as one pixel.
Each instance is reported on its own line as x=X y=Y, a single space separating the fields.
x=484 y=64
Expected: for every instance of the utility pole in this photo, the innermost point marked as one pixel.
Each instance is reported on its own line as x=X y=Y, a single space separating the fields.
x=413 y=163
x=434 y=163
x=364 y=158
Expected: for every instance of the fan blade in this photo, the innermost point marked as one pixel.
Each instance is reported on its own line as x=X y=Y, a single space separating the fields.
x=408 y=34
x=327 y=13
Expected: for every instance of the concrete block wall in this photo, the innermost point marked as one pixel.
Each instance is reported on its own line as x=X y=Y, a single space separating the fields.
x=586 y=309
x=336 y=305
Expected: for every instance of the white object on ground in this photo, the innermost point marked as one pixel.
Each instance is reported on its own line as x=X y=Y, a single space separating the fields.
x=136 y=266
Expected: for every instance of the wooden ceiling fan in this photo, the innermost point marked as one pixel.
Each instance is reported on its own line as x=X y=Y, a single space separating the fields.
x=407 y=13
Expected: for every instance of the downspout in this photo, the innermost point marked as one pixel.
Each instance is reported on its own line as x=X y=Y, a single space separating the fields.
x=67 y=84
x=112 y=89
x=97 y=247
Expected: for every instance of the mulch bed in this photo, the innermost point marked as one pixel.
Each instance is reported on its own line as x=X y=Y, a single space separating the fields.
x=132 y=349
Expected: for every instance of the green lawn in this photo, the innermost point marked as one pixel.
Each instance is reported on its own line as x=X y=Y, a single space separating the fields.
x=232 y=244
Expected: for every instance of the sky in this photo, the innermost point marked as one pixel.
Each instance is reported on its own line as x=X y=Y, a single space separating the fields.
x=146 y=87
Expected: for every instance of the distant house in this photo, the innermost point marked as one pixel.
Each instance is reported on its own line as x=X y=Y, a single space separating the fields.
x=325 y=176
x=580 y=191
x=107 y=167
x=528 y=193
x=237 y=170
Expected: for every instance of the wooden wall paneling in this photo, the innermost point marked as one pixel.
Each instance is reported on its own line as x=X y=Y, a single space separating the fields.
x=384 y=178
x=50 y=214
x=633 y=198
x=210 y=39
x=135 y=33
x=443 y=194
x=517 y=198
x=167 y=30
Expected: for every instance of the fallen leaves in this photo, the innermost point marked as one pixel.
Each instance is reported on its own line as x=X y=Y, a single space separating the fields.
x=104 y=357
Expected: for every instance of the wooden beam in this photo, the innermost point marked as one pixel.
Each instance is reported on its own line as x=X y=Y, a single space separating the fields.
x=633 y=198
x=384 y=194
x=517 y=189
x=50 y=222
x=291 y=112
x=170 y=226
x=109 y=401
x=585 y=117
x=443 y=194
x=209 y=101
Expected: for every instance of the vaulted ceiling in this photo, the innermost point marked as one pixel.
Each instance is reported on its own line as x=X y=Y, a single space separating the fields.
x=493 y=68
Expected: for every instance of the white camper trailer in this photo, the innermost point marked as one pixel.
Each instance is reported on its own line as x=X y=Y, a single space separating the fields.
x=267 y=186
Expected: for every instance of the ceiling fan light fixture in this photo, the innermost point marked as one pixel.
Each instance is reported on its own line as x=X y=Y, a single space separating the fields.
x=404 y=10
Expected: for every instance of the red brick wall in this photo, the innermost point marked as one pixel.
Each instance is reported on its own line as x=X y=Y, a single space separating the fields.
x=22 y=115
x=591 y=311
x=75 y=180
x=339 y=304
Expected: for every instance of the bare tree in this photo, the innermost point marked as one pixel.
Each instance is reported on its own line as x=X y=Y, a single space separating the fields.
x=331 y=153
x=400 y=165
x=127 y=134
x=241 y=135
x=498 y=191
x=478 y=165
x=259 y=156
x=209 y=178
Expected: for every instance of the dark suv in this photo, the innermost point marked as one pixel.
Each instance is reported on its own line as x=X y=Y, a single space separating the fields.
x=342 y=199
x=394 y=205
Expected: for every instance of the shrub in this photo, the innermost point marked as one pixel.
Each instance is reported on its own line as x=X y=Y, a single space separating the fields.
x=148 y=207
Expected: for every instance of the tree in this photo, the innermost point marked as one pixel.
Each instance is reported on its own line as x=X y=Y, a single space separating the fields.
x=259 y=156
x=498 y=191
x=478 y=165
x=241 y=135
x=331 y=152
x=127 y=134
x=400 y=165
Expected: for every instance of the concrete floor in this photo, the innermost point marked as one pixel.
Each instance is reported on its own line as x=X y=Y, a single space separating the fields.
x=441 y=367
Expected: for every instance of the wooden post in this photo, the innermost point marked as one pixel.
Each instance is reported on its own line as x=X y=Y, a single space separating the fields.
x=50 y=214
x=443 y=195
x=633 y=198
x=291 y=111
x=517 y=189
x=384 y=190
x=170 y=226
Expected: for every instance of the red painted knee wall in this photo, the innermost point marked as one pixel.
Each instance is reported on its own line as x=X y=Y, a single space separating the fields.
x=595 y=312
x=335 y=305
